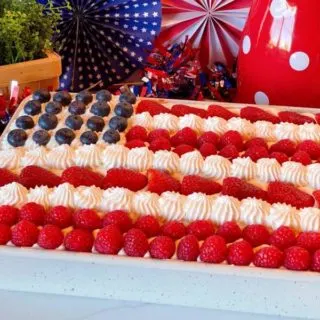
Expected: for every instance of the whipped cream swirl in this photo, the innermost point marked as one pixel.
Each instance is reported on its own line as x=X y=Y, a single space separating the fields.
x=166 y=160
x=309 y=131
x=35 y=157
x=61 y=157
x=285 y=130
x=216 y=167
x=283 y=215
x=215 y=124
x=114 y=156
x=192 y=121
x=146 y=203
x=13 y=194
x=191 y=163
x=63 y=195
x=11 y=158
x=140 y=159
x=310 y=219
x=265 y=130
x=166 y=121
x=243 y=168
x=143 y=119
x=254 y=211
x=313 y=175
x=39 y=195
x=268 y=170
x=171 y=205
x=294 y=172
x=87 y=197
x=225 y=208
x=197 y=207
x=88 y=156
x=116 y=199
x=243 y=126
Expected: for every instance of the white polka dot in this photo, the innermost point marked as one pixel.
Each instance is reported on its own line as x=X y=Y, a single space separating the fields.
x=299 y=61
x=278 y=8
x=261 y=98
x=246 y=45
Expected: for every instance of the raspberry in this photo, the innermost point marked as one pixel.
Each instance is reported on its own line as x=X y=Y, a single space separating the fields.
x=181 y=110
x=254 y=114
x=8 y=215
x=182 y=149
x=230 y=231
x=87 y=219
x=315 y=264
x=309 y=241
x=160 y=144
x=174 y=229
x=59 y=216
x=7 y=177
x=279 y=156
x=302 y=157
x=256 y=234
x=255 y=142
x=229 y=152
x=268 y=257
x=240 y=253
x=310 y=147
x=79 y=240
x=5 y=234
x=191 y=184
x=256 y=153
x=162 y=247
x=119 y=218
x=158 y=133
x=33 y=212
x=184 y=136
x=160 y=182
x=297 y=258
x=213 y=250
x=202 y=229
x=188 y=248
x=135 y=243
x=231 y=137
x=50 y=237
x=286 y=146
x=137 y=133
x=152 y=107
x=208 y=137
x=221 y=112
x=294 y=117
x=109 y=240
x=207 y=149
x=149 y=225
x=282 y=238
x=78 y=176
x=135 y=144
x=24 y=234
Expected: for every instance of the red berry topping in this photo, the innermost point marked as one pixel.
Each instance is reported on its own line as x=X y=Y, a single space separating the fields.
x=33 y=212
x=317 y=116
x=256 y=234
x=78 y=176
x=5 y=234
x=135 y=144
x=213 y=250
x=302 y=157
x=8 y=215
x=254 y=114
x=184 y=136
x=24 y=234
x=182 y=149
x=181 y=110
x=59 y=216
x=256 y=142
x=207 y=149
x=79 y=240
x=152 y=107
x=174 y=229
x=297 y=258
x=50 y=237
x=137 y=133
x=162 y=247
x=230 y=231
x=231 y=137
x=135 y=243
x=109 y=240
x=256 y=153
x=208 y=137
x=149 y=225
x=160 y=182
x=240 y=253
x=285 y=146
x=202 y=229
x=7 y=177
x=315 y=264
x=221 y=112
x=294 y=117
x=119 y=218
x=229 y=152
x=283 y=238
x=160 y=144
x=191 y=184
x=158 y=133
x=310 y=147
x=316 y=195
x=268 y=257
x=279 y=156
x=87 y=219
x=188 y=248
x=309 y=241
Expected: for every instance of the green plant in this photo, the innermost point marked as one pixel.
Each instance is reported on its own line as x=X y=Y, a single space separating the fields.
x=26 y=29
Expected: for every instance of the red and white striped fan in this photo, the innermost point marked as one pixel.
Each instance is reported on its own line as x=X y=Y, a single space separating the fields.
x=215 y=26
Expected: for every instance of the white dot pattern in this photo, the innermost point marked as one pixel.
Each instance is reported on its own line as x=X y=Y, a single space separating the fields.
x=246 y=45
x=261 y=98
x=299 y=61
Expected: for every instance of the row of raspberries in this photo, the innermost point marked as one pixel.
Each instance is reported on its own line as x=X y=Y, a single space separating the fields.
x=200 y=240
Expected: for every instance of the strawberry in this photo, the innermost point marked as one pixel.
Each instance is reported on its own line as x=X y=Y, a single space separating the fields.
x=241 y=189
x=24 y=234
x=78 y=176
x=256 y=234
x=254 y=114
x=256 y=153
x=160 y=144
x=256 y=142
x=268 y=257
x=309 y=241
x=135 y=144
x=174 y=229
x=79 y=240
x=221 y=112
x=119 y=218
x=8 y=215
x=202 y=229
x=297 y=258
x=160 y=182
x=162 y=247
x=182 y=149
x=294 y=117
x=316 y=196
x=310 y=147
x=158 y=133
x=315 y=264
x=188 y=248
x=50 y=237
x=33 y=212
x=5 y=234
x=286 y=146
x=287 y=193
x=59 y=216
x=213 y=250
x=231 y=137
x=208 y=137
x=137 y=133
x=302 y=157
x=125 y=178
x=279 y=156
x=135 y=243
x=87 y=219
x=191 y=184
x=181 y=110
x=229 y=152
x=207 y=149
x=149 y=225
x=282 y=238
x=109 y=240
x=230 y=231
x=184 y=136
x=240 y=253
x=33 y=176
x=152 y=107
x=7 y=177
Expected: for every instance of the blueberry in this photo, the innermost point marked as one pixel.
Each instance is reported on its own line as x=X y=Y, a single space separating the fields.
x=101 y=109
x=64 y=136
x=103 y=95
x=118 y=123
x=25 y=122
x=48 y=121
x=63 y=97
x=89 y=137
x=77 y=107
x=85 y=97
x=111 y=136
x=124 y=109
x=17 y=137
x=128 y=96
x=32 y=107
x=74 y=122
x=42 y=95
x=41 y=137
x=95 y=123
x=54 y=107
